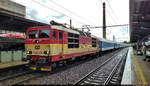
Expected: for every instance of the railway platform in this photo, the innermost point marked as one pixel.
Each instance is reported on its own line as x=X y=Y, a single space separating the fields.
x=11 y=58
x=136 y=71
x=11 y=64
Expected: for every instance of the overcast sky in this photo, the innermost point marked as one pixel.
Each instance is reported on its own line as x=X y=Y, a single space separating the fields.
x=82 y=12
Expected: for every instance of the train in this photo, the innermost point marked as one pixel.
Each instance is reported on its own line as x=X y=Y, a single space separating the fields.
x=47 y=46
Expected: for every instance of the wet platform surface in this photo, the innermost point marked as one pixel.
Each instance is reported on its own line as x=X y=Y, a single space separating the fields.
x=137 y=71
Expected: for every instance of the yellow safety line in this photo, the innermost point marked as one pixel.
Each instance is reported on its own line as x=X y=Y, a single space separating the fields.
x=140 y=72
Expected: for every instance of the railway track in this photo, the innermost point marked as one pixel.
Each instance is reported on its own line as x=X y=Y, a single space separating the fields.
x=24 y=76
x=12 y=72
x=14 y=75
x=20 y=78
x=35 y=77
x=42 y=74
x=105 y=73
x=23 y=79
x=9 y=75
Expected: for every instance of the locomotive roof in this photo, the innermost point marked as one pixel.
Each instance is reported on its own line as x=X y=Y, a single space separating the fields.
x=65 y=29
x=75 y=31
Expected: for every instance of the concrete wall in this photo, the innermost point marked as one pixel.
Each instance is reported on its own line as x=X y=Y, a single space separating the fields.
x=10 y=56
x=12 y=8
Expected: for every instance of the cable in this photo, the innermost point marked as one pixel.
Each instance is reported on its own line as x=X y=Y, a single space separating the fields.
x=109 y=13
x=55 y=10
x=111 y=17
x=69 y=11
x=48 y=7
x=108 y=26
x=114 y=13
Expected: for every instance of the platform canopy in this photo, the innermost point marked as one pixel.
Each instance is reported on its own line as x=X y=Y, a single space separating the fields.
x=139 y=19
x=18 y=24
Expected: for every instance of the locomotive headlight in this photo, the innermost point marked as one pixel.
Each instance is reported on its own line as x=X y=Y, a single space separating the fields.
x=29 y=52
x=45 y=52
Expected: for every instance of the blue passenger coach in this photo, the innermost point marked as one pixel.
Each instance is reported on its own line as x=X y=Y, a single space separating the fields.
x=105 y=45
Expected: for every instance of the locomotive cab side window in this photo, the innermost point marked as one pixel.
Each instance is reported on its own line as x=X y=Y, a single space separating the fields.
x=44 y=33
x=60 y=35
x=32 y=34
x=54 y=35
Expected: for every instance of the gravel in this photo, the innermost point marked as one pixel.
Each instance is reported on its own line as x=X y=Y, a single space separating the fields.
x=71 y=74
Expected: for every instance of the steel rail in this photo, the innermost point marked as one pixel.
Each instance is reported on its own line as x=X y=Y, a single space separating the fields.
x=15 y=75
x=94 y=70
x=113 y=71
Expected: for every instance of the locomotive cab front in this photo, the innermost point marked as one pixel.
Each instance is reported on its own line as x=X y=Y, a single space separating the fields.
x=37 y=46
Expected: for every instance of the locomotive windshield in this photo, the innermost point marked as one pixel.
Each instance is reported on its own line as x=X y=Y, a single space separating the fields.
x=32 y=34
x=44 y=33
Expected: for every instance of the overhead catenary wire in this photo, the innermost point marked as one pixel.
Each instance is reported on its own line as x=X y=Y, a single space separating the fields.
x=118 y=21
x=76 y=14
x=48 y=7
x=70 y=11
x=109 y=14
x=70 y=17
x=108 y=22
x=114 y=13
x=107 y=26
x=56 y=11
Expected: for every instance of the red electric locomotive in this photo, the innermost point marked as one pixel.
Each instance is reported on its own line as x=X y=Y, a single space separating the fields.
x=47 y=46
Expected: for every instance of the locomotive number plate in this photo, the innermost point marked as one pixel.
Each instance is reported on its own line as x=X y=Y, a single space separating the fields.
x=37 y=52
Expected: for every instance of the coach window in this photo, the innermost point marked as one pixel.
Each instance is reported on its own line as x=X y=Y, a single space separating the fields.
x=54 y=34
x=44 y=33
x=32 y=34
x=60 y=35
